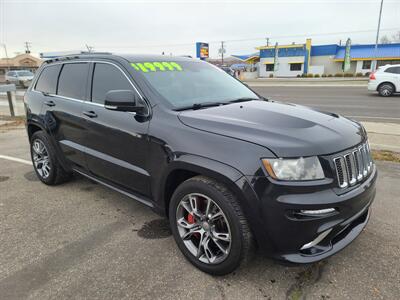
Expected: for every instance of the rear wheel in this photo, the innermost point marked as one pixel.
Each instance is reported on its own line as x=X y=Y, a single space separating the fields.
x=45 y=162
x=209 y=227
x=386 y=89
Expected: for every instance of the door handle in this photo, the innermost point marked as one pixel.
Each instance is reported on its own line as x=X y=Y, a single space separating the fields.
x=90 y=114
x=49 y=103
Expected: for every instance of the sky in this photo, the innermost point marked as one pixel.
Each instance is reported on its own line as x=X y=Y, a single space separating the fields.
x=174 y=26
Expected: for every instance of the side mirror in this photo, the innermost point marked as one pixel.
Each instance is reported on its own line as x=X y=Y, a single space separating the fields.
x=123 y=100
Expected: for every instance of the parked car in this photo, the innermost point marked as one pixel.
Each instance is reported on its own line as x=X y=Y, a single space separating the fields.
x=231 y=170
x=19 y=77
x=228 y=70
x=386 y=80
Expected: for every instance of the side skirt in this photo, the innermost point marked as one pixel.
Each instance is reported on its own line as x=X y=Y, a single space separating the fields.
x=130 y=195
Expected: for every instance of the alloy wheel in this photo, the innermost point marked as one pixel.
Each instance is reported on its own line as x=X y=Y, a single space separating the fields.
x=386 y=90
x=203 y=228
x=41 y=158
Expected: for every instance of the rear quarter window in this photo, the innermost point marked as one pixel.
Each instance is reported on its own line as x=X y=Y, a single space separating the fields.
x=393 y=70
x=47 y=81
x=72 y=81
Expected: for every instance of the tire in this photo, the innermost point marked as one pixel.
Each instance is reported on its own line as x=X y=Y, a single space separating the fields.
x=231 y=221
x=386 y=89
x=53 y=174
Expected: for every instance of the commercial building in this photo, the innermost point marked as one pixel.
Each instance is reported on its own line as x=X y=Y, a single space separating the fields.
x=20 y=62
x=297 y=59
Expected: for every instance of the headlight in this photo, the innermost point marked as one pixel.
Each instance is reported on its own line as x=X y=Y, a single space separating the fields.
x=308 y=168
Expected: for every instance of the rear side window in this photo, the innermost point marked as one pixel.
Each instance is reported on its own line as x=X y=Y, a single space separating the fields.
x=72 y=81
x=107 y=77
x=47 y=81
x=394 y=70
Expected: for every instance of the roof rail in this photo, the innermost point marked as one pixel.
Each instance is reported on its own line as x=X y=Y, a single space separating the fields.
x=75 y=55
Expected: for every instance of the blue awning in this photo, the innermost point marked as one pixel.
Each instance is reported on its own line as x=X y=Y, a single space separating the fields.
x=388 y=51
x=246 y=56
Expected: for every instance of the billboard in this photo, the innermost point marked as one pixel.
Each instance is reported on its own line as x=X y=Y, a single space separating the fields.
x=201 y=50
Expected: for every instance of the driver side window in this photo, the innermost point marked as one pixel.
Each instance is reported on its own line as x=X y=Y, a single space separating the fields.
x=107 y=77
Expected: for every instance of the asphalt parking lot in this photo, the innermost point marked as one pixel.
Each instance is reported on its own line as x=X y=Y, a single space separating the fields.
x=81 y=240
x=355 y=102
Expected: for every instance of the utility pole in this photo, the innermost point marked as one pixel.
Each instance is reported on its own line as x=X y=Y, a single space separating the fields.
x=7 y=59
x=267 y=41
x=89 y=48
x=222 y=51
x=374 y=62
x=27 y=45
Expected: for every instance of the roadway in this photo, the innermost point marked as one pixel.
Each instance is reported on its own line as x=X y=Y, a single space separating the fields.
x=351 y=101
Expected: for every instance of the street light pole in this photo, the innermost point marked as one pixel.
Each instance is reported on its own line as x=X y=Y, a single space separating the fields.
x=374 y=62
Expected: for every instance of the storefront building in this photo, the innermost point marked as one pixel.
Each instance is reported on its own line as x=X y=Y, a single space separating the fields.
x=325 y=60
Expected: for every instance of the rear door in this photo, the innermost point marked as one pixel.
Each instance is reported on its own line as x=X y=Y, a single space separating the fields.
x=394 y=74
x=117 y=144
x=64 y=111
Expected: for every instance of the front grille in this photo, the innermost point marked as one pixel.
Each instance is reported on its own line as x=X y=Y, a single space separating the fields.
x=353 y=166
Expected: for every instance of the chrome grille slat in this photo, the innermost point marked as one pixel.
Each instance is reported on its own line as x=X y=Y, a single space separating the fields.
x=353 y=166
x=341 y=172
x=350 y=166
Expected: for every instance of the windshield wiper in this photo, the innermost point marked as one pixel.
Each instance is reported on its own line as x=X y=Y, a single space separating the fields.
x=242 y=99
x=200 y=105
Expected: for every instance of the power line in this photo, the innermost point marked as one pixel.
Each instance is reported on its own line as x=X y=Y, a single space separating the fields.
x=247 y=39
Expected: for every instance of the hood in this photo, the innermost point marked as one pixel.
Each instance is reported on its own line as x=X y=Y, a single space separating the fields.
x=288 y=130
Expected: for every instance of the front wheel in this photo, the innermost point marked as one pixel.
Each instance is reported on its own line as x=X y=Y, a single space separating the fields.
x=386 y=89
x=209 y=227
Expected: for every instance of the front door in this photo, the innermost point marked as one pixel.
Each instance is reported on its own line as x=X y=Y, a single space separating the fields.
x=116 y=141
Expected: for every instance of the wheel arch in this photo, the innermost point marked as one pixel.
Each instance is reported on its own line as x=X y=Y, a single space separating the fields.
x=189 y=166
x=386 y=82
x=33 y=127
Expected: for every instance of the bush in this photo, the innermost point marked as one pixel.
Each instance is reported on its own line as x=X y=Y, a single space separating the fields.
x=271 y=75
x=303 y=75
x=316 y=76
x=298 y=75
x=359 y=74
x=339 y=75
x=330 y=75
x=323 y=75
x=367 y=74
x=348 y=75
x=310 y=75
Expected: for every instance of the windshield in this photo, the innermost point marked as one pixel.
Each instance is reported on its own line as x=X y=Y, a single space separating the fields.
x=24 y=73
x=192 y=82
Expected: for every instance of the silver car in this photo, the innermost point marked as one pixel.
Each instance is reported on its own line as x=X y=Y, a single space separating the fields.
x=19 y=77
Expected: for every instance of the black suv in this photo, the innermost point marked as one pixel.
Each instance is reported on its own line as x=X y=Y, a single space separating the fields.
x=231 y=170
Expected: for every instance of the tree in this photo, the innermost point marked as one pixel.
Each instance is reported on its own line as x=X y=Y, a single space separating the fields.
x=396 y=37
x=385 y=40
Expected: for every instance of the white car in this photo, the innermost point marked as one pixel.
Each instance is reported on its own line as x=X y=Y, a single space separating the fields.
x=385 y=80
x=19 y=77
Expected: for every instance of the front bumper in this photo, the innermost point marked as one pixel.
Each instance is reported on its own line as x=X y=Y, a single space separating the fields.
x=281 y=231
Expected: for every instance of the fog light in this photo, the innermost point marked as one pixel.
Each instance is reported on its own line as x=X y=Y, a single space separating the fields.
x=315 y=212
x=317 y=240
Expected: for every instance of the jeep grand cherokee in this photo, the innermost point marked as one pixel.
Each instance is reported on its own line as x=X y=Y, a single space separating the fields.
x=231 y=170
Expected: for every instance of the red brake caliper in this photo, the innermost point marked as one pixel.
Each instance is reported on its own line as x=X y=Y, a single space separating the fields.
x=191 y=220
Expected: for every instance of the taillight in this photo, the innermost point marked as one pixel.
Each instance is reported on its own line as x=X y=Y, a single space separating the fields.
x=372 y=76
